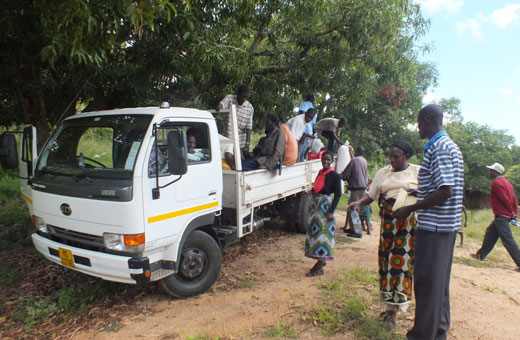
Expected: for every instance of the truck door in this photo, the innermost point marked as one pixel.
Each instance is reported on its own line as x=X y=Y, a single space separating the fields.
x=27 y=163
x=182 y=198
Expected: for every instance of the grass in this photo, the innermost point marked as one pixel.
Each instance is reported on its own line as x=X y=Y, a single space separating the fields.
x=12 y=207
x=66 y=302
x=113 y=326
x=344 y=306
x=7 y=276
x=281 y=330
x=469 y=261
x=248 y=281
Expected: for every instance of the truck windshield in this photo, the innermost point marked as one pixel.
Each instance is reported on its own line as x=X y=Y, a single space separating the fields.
x=98 y=147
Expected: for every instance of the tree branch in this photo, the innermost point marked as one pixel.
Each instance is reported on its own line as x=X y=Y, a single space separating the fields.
x=284 y=68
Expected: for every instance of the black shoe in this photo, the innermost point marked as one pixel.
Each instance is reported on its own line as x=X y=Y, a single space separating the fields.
x=477 y=256
x=348 y=231
x=354 y=235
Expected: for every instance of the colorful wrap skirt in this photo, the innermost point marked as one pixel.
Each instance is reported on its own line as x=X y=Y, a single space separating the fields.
x=319 y=242
x=396 y=256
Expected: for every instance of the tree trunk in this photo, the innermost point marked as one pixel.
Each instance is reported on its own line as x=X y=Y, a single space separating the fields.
x=34 y=113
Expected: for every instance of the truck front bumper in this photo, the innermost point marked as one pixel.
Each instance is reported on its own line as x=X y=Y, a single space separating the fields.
x=109 y=267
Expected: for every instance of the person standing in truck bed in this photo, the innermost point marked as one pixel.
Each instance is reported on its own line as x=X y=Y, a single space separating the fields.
x=245 y=113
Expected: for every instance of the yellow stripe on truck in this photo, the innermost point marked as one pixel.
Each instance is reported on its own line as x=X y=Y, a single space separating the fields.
x=181 y=212
x=25 y=197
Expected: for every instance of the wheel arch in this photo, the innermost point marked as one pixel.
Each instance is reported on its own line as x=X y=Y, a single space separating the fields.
x=203 y=223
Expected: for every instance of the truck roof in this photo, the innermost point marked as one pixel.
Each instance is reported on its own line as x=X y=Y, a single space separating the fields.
x=153 y=110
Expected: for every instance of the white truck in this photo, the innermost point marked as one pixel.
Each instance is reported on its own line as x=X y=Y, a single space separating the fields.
x=115 y=194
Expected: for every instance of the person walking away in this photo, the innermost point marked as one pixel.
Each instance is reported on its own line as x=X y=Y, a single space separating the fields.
x=396 y=238
x=330 y=128
x=355 y=174
x=326 y=192
x=439 y=207
x=505 y=208
x=245 y=112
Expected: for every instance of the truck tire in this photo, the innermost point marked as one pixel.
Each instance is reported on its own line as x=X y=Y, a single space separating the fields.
x=296 y=213
x=302 y=221
x=199 y=267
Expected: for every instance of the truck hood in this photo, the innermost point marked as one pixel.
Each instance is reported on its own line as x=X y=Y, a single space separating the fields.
x=88 y=216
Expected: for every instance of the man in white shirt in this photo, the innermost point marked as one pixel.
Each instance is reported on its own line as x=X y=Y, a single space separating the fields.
x=297 y=124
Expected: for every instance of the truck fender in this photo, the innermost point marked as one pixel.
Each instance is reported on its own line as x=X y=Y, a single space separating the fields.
x=204 y=223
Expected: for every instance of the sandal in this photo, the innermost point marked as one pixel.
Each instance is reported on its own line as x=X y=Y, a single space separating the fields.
x=315 y=272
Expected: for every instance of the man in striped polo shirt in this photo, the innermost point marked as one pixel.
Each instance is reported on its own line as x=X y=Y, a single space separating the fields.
x=439 y=207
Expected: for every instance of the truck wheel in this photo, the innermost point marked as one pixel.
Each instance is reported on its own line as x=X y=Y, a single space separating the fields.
x=303 y=218
x=198 y=268
x=295 y=212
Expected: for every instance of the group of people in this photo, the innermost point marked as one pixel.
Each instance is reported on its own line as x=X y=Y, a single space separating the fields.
x=415 y=250
x=417 y=239
x=283 y=143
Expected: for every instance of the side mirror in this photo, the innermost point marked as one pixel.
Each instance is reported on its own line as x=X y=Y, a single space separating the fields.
x=8 y=151
x=177 y=152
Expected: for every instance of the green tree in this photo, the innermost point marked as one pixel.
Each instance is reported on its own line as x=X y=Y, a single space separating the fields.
x=46 y=49
x=513 y=176
x=127 y=53
x=480 y=146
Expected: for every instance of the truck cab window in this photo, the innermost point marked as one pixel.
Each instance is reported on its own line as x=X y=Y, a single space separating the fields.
x=95 y=148
x=197 y=142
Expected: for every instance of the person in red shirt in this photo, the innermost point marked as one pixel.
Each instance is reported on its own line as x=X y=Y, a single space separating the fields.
x=505 y=207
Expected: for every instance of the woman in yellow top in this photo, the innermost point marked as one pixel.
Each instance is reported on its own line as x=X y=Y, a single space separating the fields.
x=397 y=237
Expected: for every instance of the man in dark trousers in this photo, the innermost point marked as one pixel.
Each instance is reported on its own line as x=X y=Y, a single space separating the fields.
x=355 y=174
x=269 y=153
x=439 y=206
x=505 y=207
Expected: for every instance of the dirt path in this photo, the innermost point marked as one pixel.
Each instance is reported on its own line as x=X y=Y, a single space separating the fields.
x=270 y=287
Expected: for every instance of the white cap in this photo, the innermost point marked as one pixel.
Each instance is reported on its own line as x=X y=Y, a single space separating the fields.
x=497 y=167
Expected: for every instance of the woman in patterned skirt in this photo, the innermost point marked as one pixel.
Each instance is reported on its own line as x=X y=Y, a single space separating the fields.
x=319 y=243
x=397 y=237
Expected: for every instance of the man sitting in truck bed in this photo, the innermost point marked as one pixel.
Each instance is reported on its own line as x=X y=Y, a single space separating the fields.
x=269 y=152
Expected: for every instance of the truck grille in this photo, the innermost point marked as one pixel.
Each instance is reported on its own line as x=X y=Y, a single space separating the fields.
x=74 y=239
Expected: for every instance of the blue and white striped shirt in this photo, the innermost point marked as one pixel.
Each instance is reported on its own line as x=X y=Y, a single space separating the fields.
x=442 y=165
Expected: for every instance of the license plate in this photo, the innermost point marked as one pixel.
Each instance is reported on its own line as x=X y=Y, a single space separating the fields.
x=66 y=257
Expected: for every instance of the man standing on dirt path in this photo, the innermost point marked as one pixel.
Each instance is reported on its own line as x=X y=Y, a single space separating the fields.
x=439 y=207
x=505 y=207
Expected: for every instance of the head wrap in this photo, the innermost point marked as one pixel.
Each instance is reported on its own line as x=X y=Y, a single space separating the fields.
x=305 y=106
x=404 y=146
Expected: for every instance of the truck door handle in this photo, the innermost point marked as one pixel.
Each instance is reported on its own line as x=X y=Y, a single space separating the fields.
x=211 y=193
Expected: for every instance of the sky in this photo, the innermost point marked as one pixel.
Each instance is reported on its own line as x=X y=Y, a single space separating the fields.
x=476 y=50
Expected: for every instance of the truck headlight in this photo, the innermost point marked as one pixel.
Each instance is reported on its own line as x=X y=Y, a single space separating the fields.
x=125 y=243
x=40 y=224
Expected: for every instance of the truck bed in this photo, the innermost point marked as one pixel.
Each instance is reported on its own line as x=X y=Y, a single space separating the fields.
x=260 y=187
